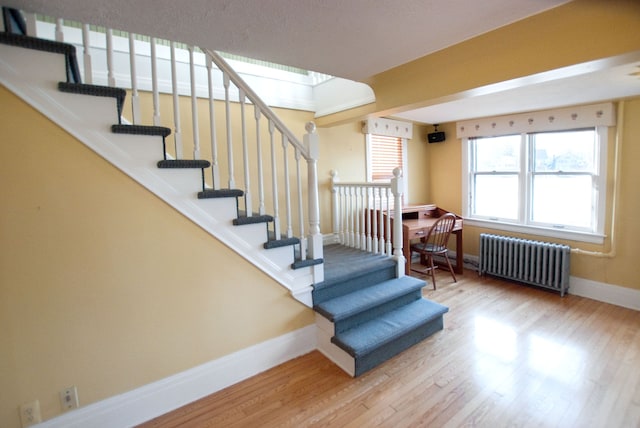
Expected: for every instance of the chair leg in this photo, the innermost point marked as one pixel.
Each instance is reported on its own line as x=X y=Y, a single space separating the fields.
x=433 y=271
x=446 y=258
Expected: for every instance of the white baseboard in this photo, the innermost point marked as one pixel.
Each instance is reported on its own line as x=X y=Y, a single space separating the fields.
x=607 y=293
x=600 y=291
x=165 y=395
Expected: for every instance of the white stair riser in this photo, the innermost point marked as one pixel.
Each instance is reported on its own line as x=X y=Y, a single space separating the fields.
x=28 y=64
x=343 y=360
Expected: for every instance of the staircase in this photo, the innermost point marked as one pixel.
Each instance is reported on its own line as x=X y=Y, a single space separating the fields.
x=365 y=314
x=46 y=75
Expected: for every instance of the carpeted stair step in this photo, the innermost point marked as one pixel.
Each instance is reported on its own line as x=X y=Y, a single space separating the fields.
x=378 y=340
x=255 y=218
x=160 y=131
x=220 y=193
x=363 y=305
x=299 y=263
x=96 y=91
x=69 y=51
x=349 y=273
x=183 y=163
x=278 y=243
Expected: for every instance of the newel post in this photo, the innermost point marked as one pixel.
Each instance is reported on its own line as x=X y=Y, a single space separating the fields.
x=312 y=144
x=396 y=189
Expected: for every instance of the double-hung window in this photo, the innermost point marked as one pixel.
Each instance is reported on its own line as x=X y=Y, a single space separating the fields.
x=546 y=182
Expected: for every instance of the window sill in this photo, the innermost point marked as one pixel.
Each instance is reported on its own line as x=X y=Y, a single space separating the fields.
x=538 y=231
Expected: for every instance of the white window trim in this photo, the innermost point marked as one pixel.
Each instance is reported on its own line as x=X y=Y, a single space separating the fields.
x=596 y=237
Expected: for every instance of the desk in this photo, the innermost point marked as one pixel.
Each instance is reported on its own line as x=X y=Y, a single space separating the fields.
x=416 y=222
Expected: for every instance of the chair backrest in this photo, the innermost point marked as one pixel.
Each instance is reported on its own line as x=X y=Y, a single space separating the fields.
x=438 y=237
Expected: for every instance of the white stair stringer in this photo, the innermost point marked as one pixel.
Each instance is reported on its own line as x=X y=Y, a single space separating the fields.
x=28 y=74
x=324 y=332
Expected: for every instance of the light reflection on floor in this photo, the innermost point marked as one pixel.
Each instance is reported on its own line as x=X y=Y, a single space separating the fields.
x=503 y=350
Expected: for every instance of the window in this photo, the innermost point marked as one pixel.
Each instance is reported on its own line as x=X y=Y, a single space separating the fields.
x=546 y=180
x=384 y=154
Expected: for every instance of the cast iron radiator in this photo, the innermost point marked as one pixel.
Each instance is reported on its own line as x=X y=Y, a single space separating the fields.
x=532 y=262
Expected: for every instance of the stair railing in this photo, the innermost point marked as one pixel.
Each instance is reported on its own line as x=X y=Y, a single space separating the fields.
x=363 y=213
x=208 y=69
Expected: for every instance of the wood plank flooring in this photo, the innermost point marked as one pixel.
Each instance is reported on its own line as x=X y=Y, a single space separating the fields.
x=509 y=355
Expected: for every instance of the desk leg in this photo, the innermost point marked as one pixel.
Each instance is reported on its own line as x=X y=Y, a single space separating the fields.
x=459 y=253
x=406 y=250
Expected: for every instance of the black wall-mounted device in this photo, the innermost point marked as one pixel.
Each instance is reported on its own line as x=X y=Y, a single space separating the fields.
x=435 y=137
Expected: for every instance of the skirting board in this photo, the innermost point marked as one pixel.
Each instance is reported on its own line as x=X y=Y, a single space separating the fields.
x=607 y=293
x=165 y=395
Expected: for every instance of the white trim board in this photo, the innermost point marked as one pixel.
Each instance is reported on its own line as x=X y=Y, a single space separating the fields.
x=607 y=293
x=165 y=395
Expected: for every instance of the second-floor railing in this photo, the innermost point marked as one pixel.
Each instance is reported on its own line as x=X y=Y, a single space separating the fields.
x=363 y=216
x=248 y=146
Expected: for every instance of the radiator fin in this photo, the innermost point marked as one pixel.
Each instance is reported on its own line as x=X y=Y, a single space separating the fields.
x=532 y=262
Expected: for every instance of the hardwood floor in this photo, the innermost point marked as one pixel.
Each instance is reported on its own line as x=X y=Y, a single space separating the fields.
x=509 y=355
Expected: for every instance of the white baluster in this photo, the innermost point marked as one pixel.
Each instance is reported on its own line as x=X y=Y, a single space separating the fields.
x=245 y=156
x=227 y=108
x=335 y=204
x=32 y=29
x=287 y=186
x=215 y=168
x=381 y=222
x=374 y=222
x=303 y=240
x=111 y=80
x=59 y=31
x=274 y=182
x=177 y=134
x=396 y=189
x=342 y=216
x=363 y=211
x=154 y=83
x=194 y=106
x=352 y=221
x=366 y=218
x=135 y=99
x=261 y=204
x=389 y=244
x=86 y=55
x=312 y=144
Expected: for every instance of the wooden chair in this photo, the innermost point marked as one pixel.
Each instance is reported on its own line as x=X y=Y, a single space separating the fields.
x=435 y=244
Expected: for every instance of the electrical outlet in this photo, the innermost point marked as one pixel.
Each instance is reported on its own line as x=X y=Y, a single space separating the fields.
x=69 y=398
x=30 y=413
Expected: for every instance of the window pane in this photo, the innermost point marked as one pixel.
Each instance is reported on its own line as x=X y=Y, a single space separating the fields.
x=563 y=200
x=573 y=151
x=497 y=153
x=496 y=196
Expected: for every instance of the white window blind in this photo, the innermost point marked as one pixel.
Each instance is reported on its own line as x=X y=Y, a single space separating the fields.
x=386 y=155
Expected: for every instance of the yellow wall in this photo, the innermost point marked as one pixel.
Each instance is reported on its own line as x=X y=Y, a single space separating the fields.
x=342 y=148
x=103 y=285
x=577 y=32
x=620 y=268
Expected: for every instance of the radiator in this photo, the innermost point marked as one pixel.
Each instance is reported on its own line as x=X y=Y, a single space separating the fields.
x=532 y=262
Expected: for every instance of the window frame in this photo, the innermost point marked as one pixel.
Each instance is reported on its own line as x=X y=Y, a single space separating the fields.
x=525 y=195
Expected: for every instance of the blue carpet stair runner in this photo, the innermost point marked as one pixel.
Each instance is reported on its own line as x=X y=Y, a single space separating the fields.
x=375 y=316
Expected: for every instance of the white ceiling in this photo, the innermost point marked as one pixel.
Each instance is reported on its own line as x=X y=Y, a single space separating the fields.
x=353 y=39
